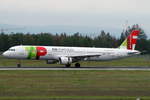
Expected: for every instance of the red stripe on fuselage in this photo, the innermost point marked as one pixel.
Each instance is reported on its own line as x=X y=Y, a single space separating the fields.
x=41 y=51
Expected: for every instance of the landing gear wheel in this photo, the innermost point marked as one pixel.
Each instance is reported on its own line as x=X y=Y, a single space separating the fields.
x=18 y=65
x=77 y=65
x=68 y=65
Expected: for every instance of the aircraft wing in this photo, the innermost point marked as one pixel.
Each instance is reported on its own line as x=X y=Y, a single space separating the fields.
x=79 y=57
x=84 y=56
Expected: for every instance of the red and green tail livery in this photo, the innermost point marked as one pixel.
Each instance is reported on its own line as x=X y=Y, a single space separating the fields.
x=131 y=40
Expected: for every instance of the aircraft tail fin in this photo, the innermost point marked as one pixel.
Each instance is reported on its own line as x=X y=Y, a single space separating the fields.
x=130 y=42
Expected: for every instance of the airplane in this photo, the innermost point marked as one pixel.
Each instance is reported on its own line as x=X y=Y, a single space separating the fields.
x=69 y=55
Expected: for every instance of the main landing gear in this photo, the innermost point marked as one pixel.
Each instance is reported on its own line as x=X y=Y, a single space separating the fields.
x=77 y=65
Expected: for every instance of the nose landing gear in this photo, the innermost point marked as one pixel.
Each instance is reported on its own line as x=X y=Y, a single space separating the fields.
x=77 y=65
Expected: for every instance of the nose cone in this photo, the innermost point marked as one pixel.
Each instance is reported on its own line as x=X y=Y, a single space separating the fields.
x=5 y=54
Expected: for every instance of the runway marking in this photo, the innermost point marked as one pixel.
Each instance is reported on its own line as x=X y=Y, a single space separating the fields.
x=129 y=68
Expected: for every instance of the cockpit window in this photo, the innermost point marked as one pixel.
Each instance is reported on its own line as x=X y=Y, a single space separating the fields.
x=11 y=50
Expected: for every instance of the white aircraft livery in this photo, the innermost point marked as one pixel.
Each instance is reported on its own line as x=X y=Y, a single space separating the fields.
x=69 y=55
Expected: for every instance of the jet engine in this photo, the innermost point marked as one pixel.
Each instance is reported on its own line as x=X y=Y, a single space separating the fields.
x=65 y=60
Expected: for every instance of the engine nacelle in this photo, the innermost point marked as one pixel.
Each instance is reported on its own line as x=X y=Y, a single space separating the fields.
x=65 y=60
x=51 y=61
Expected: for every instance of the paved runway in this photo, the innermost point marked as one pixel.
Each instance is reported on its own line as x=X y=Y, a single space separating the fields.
x=83 y=68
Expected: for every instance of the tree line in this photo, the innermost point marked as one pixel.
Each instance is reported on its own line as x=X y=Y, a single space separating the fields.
x=48 y=39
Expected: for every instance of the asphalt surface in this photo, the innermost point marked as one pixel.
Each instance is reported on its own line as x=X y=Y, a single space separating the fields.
x=82 y=68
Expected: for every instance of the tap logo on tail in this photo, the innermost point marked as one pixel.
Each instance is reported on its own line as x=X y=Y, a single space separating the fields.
x=130 y=41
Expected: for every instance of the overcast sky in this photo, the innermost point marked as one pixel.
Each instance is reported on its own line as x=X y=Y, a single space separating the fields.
x=92 y=13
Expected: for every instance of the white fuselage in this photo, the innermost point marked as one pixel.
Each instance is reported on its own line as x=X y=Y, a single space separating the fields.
x=55 y=52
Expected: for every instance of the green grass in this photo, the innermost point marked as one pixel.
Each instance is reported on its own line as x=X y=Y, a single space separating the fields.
x=142 y=60
x=72 y=98
x=74 y=85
